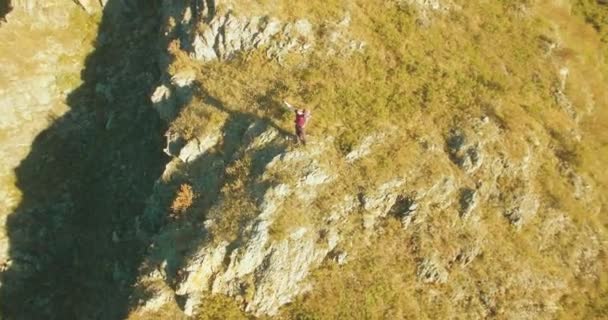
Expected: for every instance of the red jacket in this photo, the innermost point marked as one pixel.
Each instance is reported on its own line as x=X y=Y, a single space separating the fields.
x=301 y=119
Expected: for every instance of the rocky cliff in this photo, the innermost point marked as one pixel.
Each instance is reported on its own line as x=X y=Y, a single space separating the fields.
x=70 y=102
x=458 y=188
x=453 y=169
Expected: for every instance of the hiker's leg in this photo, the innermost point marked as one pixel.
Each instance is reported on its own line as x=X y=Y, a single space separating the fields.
x=297 y=134
x=302 y=136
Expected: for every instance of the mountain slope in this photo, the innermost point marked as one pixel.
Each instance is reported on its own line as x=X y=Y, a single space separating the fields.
x=454 y=163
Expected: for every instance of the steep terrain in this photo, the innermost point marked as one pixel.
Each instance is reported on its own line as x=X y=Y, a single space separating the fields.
x=454 y=165
x=75 y=93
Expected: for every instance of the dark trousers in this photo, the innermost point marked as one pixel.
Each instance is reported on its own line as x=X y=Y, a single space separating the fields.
x=300 y=134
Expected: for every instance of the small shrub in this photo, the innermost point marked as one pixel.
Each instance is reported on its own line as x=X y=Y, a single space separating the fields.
x=183 y=201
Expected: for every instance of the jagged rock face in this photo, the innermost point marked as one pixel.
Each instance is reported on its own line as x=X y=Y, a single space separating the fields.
x=475 y=176
x=209 y=35
x=264 y=273
x=227 y=35
x=465 y=172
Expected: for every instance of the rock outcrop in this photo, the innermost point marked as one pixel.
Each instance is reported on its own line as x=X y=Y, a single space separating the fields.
x=263 y=215
x=466 y=173
x=210 y=35
x=49 y=13
x=262 y=272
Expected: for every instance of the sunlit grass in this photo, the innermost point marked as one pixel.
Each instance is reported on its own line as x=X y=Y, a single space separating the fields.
x=483 y=59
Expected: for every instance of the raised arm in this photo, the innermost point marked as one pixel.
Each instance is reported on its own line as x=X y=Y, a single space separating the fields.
x=289 y=106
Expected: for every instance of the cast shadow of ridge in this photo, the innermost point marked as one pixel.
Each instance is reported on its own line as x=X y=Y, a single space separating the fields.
x=74 y=249
x=5 y=8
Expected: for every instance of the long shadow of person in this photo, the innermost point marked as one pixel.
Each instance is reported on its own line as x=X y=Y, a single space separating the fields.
x=73 y=245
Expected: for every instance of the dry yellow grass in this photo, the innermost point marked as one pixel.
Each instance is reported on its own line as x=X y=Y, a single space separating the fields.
x=487 y=58
x=169 y=311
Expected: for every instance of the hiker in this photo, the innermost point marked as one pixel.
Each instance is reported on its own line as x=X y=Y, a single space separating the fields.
x=302 y=116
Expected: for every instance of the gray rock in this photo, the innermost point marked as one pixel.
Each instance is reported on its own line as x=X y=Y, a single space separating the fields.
x=581 y=188
x=466 y=255
x=157 y=293
x=560 y=96
x=426 y=8
x=271 y=28
x=303 y=27
x=203 y=47
x=200 y=270
x=338 y=40
x=440 y=194
x=404 y=209
x=462 y=152
x=164 y=103
x=222 y=37
x=338 y=256
x=232 y=33
x=379 y=203
x=430 y=271
x=468 y=201
x=261 y=272
x=174 y=143
x=363 y=149
x=522 y=208
x=562 y=100
x=198 y=146
x=280 y=280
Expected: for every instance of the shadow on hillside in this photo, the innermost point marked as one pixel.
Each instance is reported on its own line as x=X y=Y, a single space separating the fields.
x=73 y=246
x=184 y=234
x=5 y=8
x=238 y=132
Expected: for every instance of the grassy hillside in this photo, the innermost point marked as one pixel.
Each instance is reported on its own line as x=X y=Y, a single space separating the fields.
x=422 y=76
